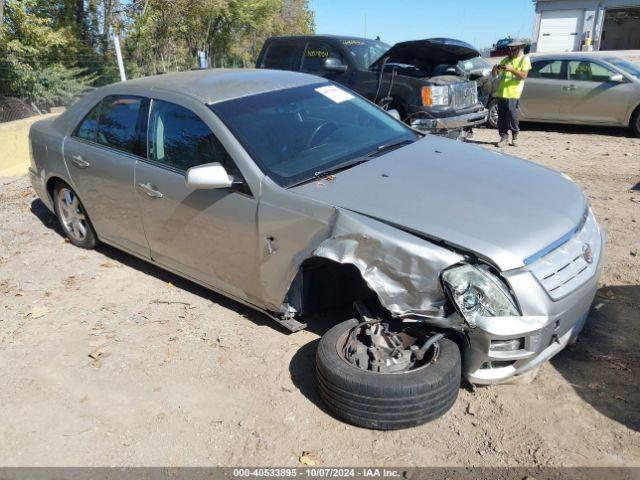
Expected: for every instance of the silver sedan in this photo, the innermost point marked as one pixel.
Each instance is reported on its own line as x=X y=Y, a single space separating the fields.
x=294 y=195
x=582 y=89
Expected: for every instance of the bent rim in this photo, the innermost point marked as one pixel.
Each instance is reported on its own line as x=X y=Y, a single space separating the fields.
x=72 y=215
x=426 y=362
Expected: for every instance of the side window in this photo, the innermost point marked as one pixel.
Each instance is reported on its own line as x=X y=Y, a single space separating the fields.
x=316 y=54
x=89 y=126
x=118 y=120
x=588 y=71
x=282 y=56
x=179 y=139
x=550 y=69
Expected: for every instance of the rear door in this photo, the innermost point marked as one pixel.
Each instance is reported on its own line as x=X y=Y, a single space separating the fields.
x=590 y=96
x=543 y=90
x=283 y=54
x=100 y=155
x=208 y=235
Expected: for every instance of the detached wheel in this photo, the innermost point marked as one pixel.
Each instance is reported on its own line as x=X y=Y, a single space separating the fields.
x=401 y=395
x=492 y=118
x=72 y=217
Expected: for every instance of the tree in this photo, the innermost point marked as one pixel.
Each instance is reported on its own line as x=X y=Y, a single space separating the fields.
x=37 y=62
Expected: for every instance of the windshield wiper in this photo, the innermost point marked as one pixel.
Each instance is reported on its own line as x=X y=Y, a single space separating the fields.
x=330 y=171
x=388 y=147
x=353 y=162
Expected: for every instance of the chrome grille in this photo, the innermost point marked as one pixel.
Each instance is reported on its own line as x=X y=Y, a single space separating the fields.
x=566 y=268
x=464 y=94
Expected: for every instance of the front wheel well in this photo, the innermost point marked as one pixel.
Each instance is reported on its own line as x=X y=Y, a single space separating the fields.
x=323 y=284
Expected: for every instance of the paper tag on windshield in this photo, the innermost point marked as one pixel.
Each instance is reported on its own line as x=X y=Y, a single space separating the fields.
x=334 y=93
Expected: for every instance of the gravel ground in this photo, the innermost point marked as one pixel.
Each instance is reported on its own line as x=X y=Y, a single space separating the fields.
x=182 y=376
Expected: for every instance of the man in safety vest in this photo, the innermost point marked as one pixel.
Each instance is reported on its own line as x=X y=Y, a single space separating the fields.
x=512 y=71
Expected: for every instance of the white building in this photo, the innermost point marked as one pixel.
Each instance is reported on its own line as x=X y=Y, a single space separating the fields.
x=571 y=25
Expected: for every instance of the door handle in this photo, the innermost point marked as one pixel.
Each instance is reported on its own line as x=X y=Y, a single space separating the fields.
x=569 y=88
x=150 y=190
x=79 y=162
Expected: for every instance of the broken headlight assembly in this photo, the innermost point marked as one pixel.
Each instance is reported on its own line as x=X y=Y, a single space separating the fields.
x=478 y=293
x=436 y=96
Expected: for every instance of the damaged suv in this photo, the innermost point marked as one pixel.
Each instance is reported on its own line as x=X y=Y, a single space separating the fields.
x=420 y=81
x=297 y=197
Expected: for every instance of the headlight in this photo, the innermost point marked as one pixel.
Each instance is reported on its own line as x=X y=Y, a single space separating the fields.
x=478 y=293
x=435 y=96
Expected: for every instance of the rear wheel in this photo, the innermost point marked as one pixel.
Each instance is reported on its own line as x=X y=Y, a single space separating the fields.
x=400 y=391
x=72 y=217
x=492 y=117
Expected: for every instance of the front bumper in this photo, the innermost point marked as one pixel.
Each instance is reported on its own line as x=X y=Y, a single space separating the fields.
x=456 y=122
x=534 y=339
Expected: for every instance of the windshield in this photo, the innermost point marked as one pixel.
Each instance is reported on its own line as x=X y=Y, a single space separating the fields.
x=476 y=63
x=297 y=134
x=628 y=67
x=365 y=52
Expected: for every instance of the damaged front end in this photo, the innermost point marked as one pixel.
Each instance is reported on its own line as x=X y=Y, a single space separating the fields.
x=447 y=100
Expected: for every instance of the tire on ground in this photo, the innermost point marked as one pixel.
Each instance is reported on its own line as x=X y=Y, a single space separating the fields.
x=491 y=121
x=91 y=239
x=385 y=401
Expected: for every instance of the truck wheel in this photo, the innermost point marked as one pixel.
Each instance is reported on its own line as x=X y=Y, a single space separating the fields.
x=492 y=118
x=386 y=401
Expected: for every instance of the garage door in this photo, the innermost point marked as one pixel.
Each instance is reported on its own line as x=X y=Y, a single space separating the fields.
x=560 y=30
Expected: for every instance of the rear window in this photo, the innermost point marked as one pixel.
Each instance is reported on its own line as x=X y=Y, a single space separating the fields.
x=282 y=56
x=549 y=69
x=112 y=123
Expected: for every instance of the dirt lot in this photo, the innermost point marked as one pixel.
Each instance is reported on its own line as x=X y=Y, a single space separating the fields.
x=184 y=377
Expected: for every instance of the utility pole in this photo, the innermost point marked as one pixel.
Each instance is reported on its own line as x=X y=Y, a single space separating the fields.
x=1 y=12
x=116 y=44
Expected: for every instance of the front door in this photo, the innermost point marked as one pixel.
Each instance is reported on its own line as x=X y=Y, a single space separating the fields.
x=100 y=156
x=208 y=235
x=591 y=97
x=315 y=54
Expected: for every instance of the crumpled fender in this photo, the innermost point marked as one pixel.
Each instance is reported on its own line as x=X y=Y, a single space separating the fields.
x=401 y=268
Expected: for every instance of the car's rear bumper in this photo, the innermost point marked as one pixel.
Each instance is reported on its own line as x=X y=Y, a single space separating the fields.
x=39 y=185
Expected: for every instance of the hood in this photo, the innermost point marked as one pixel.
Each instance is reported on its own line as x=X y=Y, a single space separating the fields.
x=502 y=208
x=429 y=53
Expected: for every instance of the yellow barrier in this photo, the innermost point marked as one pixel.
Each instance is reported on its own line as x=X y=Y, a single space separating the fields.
x=14 y=145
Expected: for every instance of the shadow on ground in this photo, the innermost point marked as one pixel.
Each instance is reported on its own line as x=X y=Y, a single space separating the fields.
x=604 y=365
x=316 y=323
x=576 y=129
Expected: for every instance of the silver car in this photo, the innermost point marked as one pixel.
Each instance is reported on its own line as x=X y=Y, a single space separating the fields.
x=293 y=195
x=580 y=88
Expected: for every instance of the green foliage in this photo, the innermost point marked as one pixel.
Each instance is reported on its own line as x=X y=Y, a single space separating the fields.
x=51 y=50
x=36 y=61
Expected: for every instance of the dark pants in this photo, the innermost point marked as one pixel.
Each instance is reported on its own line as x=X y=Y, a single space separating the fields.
x=508 y=116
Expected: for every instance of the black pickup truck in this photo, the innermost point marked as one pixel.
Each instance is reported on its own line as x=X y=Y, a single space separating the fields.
x=418 y=81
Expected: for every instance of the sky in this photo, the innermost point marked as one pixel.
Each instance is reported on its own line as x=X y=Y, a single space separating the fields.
x=479 y=22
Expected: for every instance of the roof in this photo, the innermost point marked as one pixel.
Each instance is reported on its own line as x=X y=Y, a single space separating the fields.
x=322 y=35
x=575 y=55
x=219 y=85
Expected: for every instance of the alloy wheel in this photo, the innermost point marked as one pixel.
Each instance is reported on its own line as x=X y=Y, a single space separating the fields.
x=72 y=214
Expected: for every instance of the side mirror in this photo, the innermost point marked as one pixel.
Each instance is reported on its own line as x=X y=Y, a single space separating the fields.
x=208 y=177
x=617 y=78
x=334 y=65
